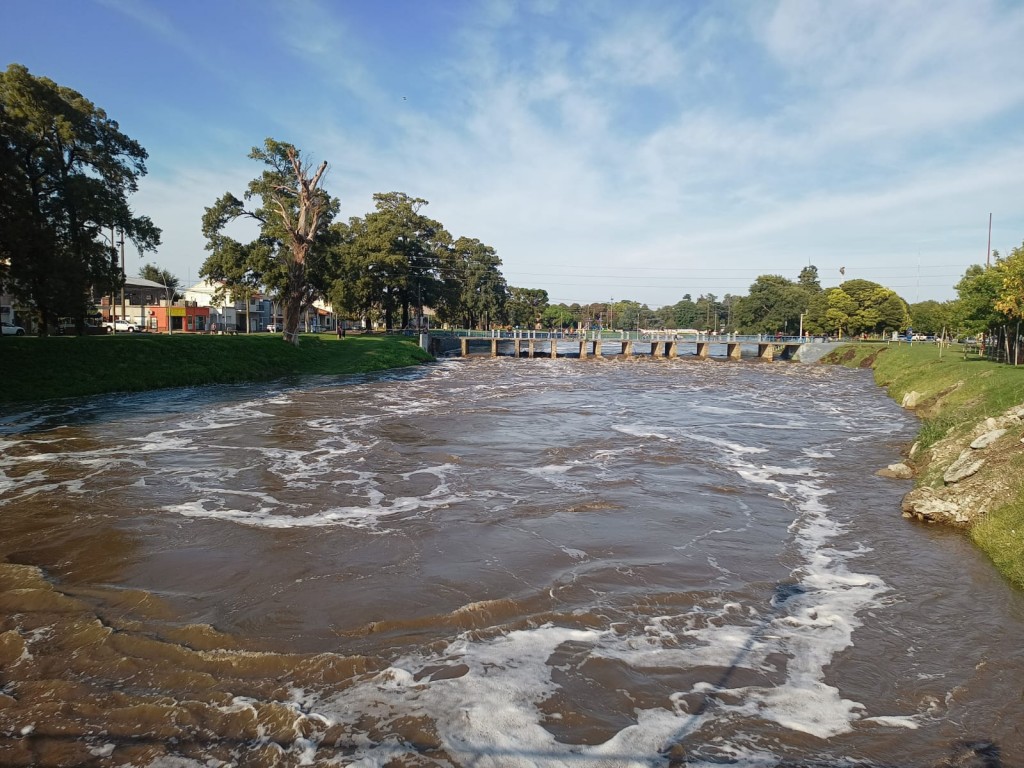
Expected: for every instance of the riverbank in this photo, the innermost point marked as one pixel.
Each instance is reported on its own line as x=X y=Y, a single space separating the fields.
x=967 y=462
x=37 y=369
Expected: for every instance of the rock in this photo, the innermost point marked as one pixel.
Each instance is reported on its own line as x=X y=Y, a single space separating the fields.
x=987 y=439
x=924 y=504
x=965 y=466
x=911 y=399
x=898 y=471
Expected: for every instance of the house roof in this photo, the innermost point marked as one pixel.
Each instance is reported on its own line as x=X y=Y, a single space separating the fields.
x=141 y=282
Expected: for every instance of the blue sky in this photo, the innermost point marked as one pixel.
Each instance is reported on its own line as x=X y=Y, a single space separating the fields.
x=607 y=150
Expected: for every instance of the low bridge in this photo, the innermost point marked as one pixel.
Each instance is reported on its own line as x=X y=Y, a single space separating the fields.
x=595 y=344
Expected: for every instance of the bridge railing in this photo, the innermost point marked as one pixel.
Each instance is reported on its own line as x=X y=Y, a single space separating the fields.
x=613 y=336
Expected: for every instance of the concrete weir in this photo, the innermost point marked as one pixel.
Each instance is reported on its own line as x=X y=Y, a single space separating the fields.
x=630 y=345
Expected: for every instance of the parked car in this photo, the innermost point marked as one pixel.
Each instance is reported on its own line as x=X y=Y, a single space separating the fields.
x=273 y=328
x=10 y=329
x=120 y=326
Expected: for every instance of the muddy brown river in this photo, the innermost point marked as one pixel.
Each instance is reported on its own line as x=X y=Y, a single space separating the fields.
x=493 y=563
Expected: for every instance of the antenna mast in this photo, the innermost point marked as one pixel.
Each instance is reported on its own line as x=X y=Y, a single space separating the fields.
x=988 y=255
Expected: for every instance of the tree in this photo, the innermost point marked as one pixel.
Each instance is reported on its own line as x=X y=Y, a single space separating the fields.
x=289 y=255
x=1010 y=297
x=476 y=291
x=709 y=311
x=355 y=289
x=525 y=306
x=162 y=276
x=839 y=311
x=773 y=304
x=931 y=316
x=390 y=261
x=808 y=279
x=977 y=293
x=684 y=314
x=67 y=172
x=557 y=316
x=403 y=247
x=857 y=306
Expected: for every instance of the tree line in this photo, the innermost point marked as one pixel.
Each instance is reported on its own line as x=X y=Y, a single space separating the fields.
x=68 y=171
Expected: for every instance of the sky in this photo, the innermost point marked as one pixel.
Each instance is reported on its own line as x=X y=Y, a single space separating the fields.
x=640 y=150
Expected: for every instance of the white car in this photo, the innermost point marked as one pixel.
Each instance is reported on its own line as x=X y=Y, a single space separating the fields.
x=120 y=326
x=10 y=329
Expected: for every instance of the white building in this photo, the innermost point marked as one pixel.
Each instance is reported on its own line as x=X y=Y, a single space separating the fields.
x=243 y=316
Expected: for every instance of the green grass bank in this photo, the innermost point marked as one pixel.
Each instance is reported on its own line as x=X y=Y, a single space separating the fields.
x=958 y=393
x=36 y=369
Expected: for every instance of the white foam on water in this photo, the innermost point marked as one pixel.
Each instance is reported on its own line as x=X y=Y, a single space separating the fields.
x=492 y=715
x=549 y=469
x=556 y=475
x=638 y=431
x=809 y=626
x=575 y=554
x=269 y=512
x=715 y=409
x=487 y=717
x=735 y=448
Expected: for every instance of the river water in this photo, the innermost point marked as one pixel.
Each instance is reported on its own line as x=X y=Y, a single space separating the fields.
x=493 y=563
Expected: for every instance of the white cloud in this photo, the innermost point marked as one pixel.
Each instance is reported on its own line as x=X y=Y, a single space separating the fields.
x=712 y=146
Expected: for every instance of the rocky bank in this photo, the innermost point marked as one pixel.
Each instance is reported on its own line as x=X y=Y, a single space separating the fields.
x=963 y=476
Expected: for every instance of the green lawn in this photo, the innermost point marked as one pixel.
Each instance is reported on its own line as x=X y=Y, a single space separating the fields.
x=64 y=366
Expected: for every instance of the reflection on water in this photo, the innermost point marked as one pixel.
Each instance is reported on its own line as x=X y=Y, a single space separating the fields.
x=492 y=563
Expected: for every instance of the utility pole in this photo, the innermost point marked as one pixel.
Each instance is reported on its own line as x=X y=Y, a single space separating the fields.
x=113 y=259
x=988 y=253
x=123 y=278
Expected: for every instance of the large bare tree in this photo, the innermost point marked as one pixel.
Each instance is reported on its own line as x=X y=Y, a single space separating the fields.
x=294 y=213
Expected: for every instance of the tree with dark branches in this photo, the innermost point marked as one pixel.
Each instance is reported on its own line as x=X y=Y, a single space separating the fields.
x=287 y=256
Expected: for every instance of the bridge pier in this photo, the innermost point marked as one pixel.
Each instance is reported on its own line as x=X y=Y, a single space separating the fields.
x=661 y=346
x=789 y=351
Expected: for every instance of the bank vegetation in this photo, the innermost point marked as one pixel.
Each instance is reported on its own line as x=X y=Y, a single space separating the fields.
x=38 y=369
x=972 y=420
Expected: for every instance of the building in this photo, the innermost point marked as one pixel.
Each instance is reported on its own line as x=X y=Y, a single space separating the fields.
x=248 y=315
x=255 y=312
x=151 y=306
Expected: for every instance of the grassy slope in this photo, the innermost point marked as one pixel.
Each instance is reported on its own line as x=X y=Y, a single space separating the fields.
x=958 y=393
x=40 y=369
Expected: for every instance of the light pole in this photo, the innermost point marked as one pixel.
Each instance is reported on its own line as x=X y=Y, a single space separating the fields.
x=168 y=295
x=802 y=325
